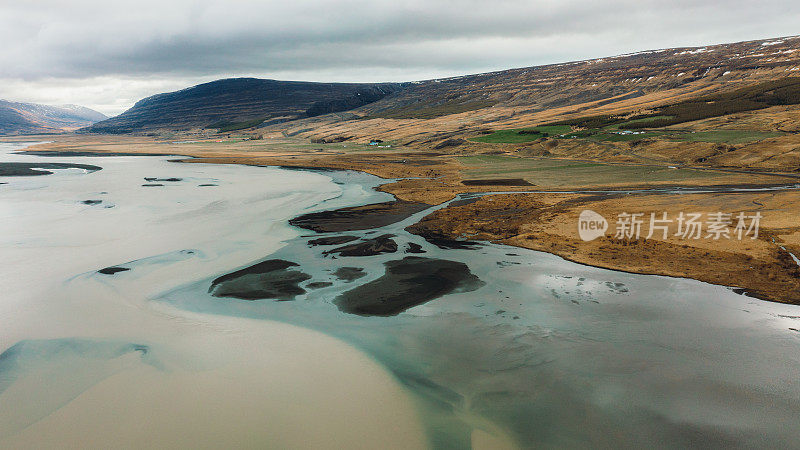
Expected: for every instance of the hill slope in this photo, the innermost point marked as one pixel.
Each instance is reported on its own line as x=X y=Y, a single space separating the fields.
x=428 y=113
x=432 y=111
x=466 y=104
x=634 y=75
x=241 y=102
x=31 y=118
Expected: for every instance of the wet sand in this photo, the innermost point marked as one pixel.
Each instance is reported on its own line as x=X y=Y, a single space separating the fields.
x=161 y=180
x=21 y=169
x=408 y=282
x=97 y=363
x=413 y=247
x=81 y=154
x=332 y=240
x=442 y=240
x=348 y=274
x=240 y=384
x=367 y=247
x=358 y=217
x=547 y=353
x=112 y=270
x=271 y=279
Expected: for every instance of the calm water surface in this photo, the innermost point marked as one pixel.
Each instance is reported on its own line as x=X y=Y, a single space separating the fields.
x=547 y=353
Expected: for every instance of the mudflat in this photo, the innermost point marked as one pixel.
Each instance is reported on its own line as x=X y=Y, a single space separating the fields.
x=367 y=247
x=359 y=217
x=271 y=279
x=408 y=282
x=21 y=169
x=568 y=181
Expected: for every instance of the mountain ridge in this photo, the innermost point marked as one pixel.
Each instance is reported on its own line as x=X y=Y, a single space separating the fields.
x=517 y=96
x=18 y=118
x=241 y=100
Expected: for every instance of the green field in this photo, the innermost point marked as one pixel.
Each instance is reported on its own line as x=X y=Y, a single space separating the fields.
x=611 y=133
x=726 y=136
x=614 y=137
x=522 y=135
x=605 y=128
x=552 y=173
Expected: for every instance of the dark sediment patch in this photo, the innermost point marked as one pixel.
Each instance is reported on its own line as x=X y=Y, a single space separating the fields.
x=498 y=182
x=507 y=263
x=445 y=242
x=359 y=217
x=414 y=248
x=408 y=282
x=332 y=240
x=463 y=202
x=319 y=284
x=309 y=168
x=271 y=279
x=67 y=154
x=367 y=247
x=348 y=274
x=91 y=202
x=20 y=169
x=152 y=184
x=161 y=180
x=112 y=270
x=619 y=288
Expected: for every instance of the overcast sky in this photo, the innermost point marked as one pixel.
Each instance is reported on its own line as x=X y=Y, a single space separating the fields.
x=108 y=54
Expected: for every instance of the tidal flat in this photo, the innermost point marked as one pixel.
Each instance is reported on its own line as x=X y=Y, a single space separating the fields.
x=25 y=169
x=467 y=344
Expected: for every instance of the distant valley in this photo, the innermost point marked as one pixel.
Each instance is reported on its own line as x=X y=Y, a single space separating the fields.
x=427 y=113
x=32 y=118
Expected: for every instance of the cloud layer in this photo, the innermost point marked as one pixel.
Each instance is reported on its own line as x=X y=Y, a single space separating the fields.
x=106 y=55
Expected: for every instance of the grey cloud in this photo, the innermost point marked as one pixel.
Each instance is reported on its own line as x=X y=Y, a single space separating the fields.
x=356 y=40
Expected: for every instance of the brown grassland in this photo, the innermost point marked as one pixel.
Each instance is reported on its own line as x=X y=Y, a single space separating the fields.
x=436 y=147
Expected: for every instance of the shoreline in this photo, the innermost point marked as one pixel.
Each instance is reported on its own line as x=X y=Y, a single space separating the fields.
x=506 y=334
x=495 y=217
x=453 y=239
x=440 y=233
x=108 y=338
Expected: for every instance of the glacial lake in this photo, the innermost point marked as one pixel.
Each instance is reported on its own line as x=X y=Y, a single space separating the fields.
x=130 y=317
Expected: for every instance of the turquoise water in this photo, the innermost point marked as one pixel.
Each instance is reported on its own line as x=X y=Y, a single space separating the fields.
x=559 y=354
x=547 y=353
